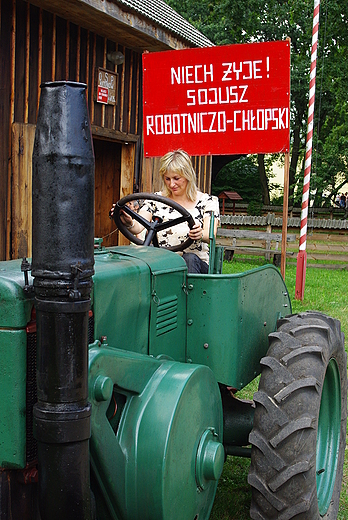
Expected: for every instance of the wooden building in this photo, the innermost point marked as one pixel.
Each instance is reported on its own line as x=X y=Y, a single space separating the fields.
x=79 y=40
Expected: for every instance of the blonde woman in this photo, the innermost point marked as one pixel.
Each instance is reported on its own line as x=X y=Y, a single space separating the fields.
x=179 y=185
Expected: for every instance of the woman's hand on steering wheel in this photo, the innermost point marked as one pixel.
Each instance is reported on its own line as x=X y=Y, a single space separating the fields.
x=125 y=218
x=121 y=214
x=196 y=232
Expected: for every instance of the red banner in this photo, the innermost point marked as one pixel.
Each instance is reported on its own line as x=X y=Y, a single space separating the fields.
x=231 y=99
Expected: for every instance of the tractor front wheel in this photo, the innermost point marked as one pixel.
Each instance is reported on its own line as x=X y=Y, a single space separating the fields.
x=299 y=433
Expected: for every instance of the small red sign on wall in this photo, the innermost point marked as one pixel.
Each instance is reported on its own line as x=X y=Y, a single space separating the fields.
x=102 y=95
x=218 y=100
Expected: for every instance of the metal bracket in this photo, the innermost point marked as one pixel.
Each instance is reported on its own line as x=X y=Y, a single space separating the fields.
x=74 y=294
x=25 y=268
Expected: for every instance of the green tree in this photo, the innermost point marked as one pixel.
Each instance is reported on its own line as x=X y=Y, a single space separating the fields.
x=240 y=176
x=234 y=21
x=330 y=168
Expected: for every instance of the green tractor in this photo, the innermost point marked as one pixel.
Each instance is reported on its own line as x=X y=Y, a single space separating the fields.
x=120 y=371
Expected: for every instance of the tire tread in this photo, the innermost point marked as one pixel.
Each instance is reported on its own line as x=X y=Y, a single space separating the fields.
x=283 y=460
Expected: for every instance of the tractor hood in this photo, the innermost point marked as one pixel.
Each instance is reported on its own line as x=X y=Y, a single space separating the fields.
x=16 y=306
x=138 y=300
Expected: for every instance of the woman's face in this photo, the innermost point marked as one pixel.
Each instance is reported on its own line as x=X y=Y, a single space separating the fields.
x=175 y=183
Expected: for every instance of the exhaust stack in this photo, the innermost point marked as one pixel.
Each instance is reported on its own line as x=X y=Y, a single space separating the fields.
x=62 y=267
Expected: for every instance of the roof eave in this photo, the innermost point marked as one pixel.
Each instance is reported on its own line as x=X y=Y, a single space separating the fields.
x=111 y=20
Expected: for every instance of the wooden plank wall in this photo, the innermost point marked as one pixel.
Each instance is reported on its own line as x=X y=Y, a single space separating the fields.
x=49 y=48
x=6 y=119
x=203 y=165
x=35 y=47
x=22 y=150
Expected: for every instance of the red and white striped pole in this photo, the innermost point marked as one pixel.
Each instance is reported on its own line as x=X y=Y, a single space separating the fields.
x=302 y=255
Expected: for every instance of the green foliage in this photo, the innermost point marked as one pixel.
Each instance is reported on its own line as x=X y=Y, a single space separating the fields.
x=277 y=200
x=233 y=494
x=255 y=208
x=234 y=21
x=241 y=176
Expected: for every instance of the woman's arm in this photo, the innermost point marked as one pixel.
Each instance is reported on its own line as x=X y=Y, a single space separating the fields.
x=134 y=226
x=206 y=228
x=211 y=206
x=199 y=233
x=130 y=223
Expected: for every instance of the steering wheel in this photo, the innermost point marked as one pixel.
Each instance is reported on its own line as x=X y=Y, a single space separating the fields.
x=156 y=225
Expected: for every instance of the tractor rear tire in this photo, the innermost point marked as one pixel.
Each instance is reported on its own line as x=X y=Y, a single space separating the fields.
x=299 y=432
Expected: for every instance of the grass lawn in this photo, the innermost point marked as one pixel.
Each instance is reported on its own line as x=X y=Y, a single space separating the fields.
x=325 y=291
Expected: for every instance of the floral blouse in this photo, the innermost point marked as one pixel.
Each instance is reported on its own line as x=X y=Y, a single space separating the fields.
x=205 y=204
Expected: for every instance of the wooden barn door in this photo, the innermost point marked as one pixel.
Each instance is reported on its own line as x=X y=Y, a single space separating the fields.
x=107 y=188
x=114 y=173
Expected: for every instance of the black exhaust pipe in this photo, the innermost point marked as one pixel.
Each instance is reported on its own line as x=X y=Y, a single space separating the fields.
x=62 y=266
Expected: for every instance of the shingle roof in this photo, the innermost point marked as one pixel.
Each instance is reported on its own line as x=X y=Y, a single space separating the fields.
x=163 y=15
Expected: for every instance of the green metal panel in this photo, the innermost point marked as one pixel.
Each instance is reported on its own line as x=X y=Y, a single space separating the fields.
x=16 y=306
x=159 y=260
x=168 y=315
x=15 y=313
x=167 y=334
x=229 y=318
x=161 y=457
x=136 y=288
x=121 y=301
x=13 y=358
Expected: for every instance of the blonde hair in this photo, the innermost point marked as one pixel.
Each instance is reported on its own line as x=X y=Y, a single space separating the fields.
x=180 y=163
